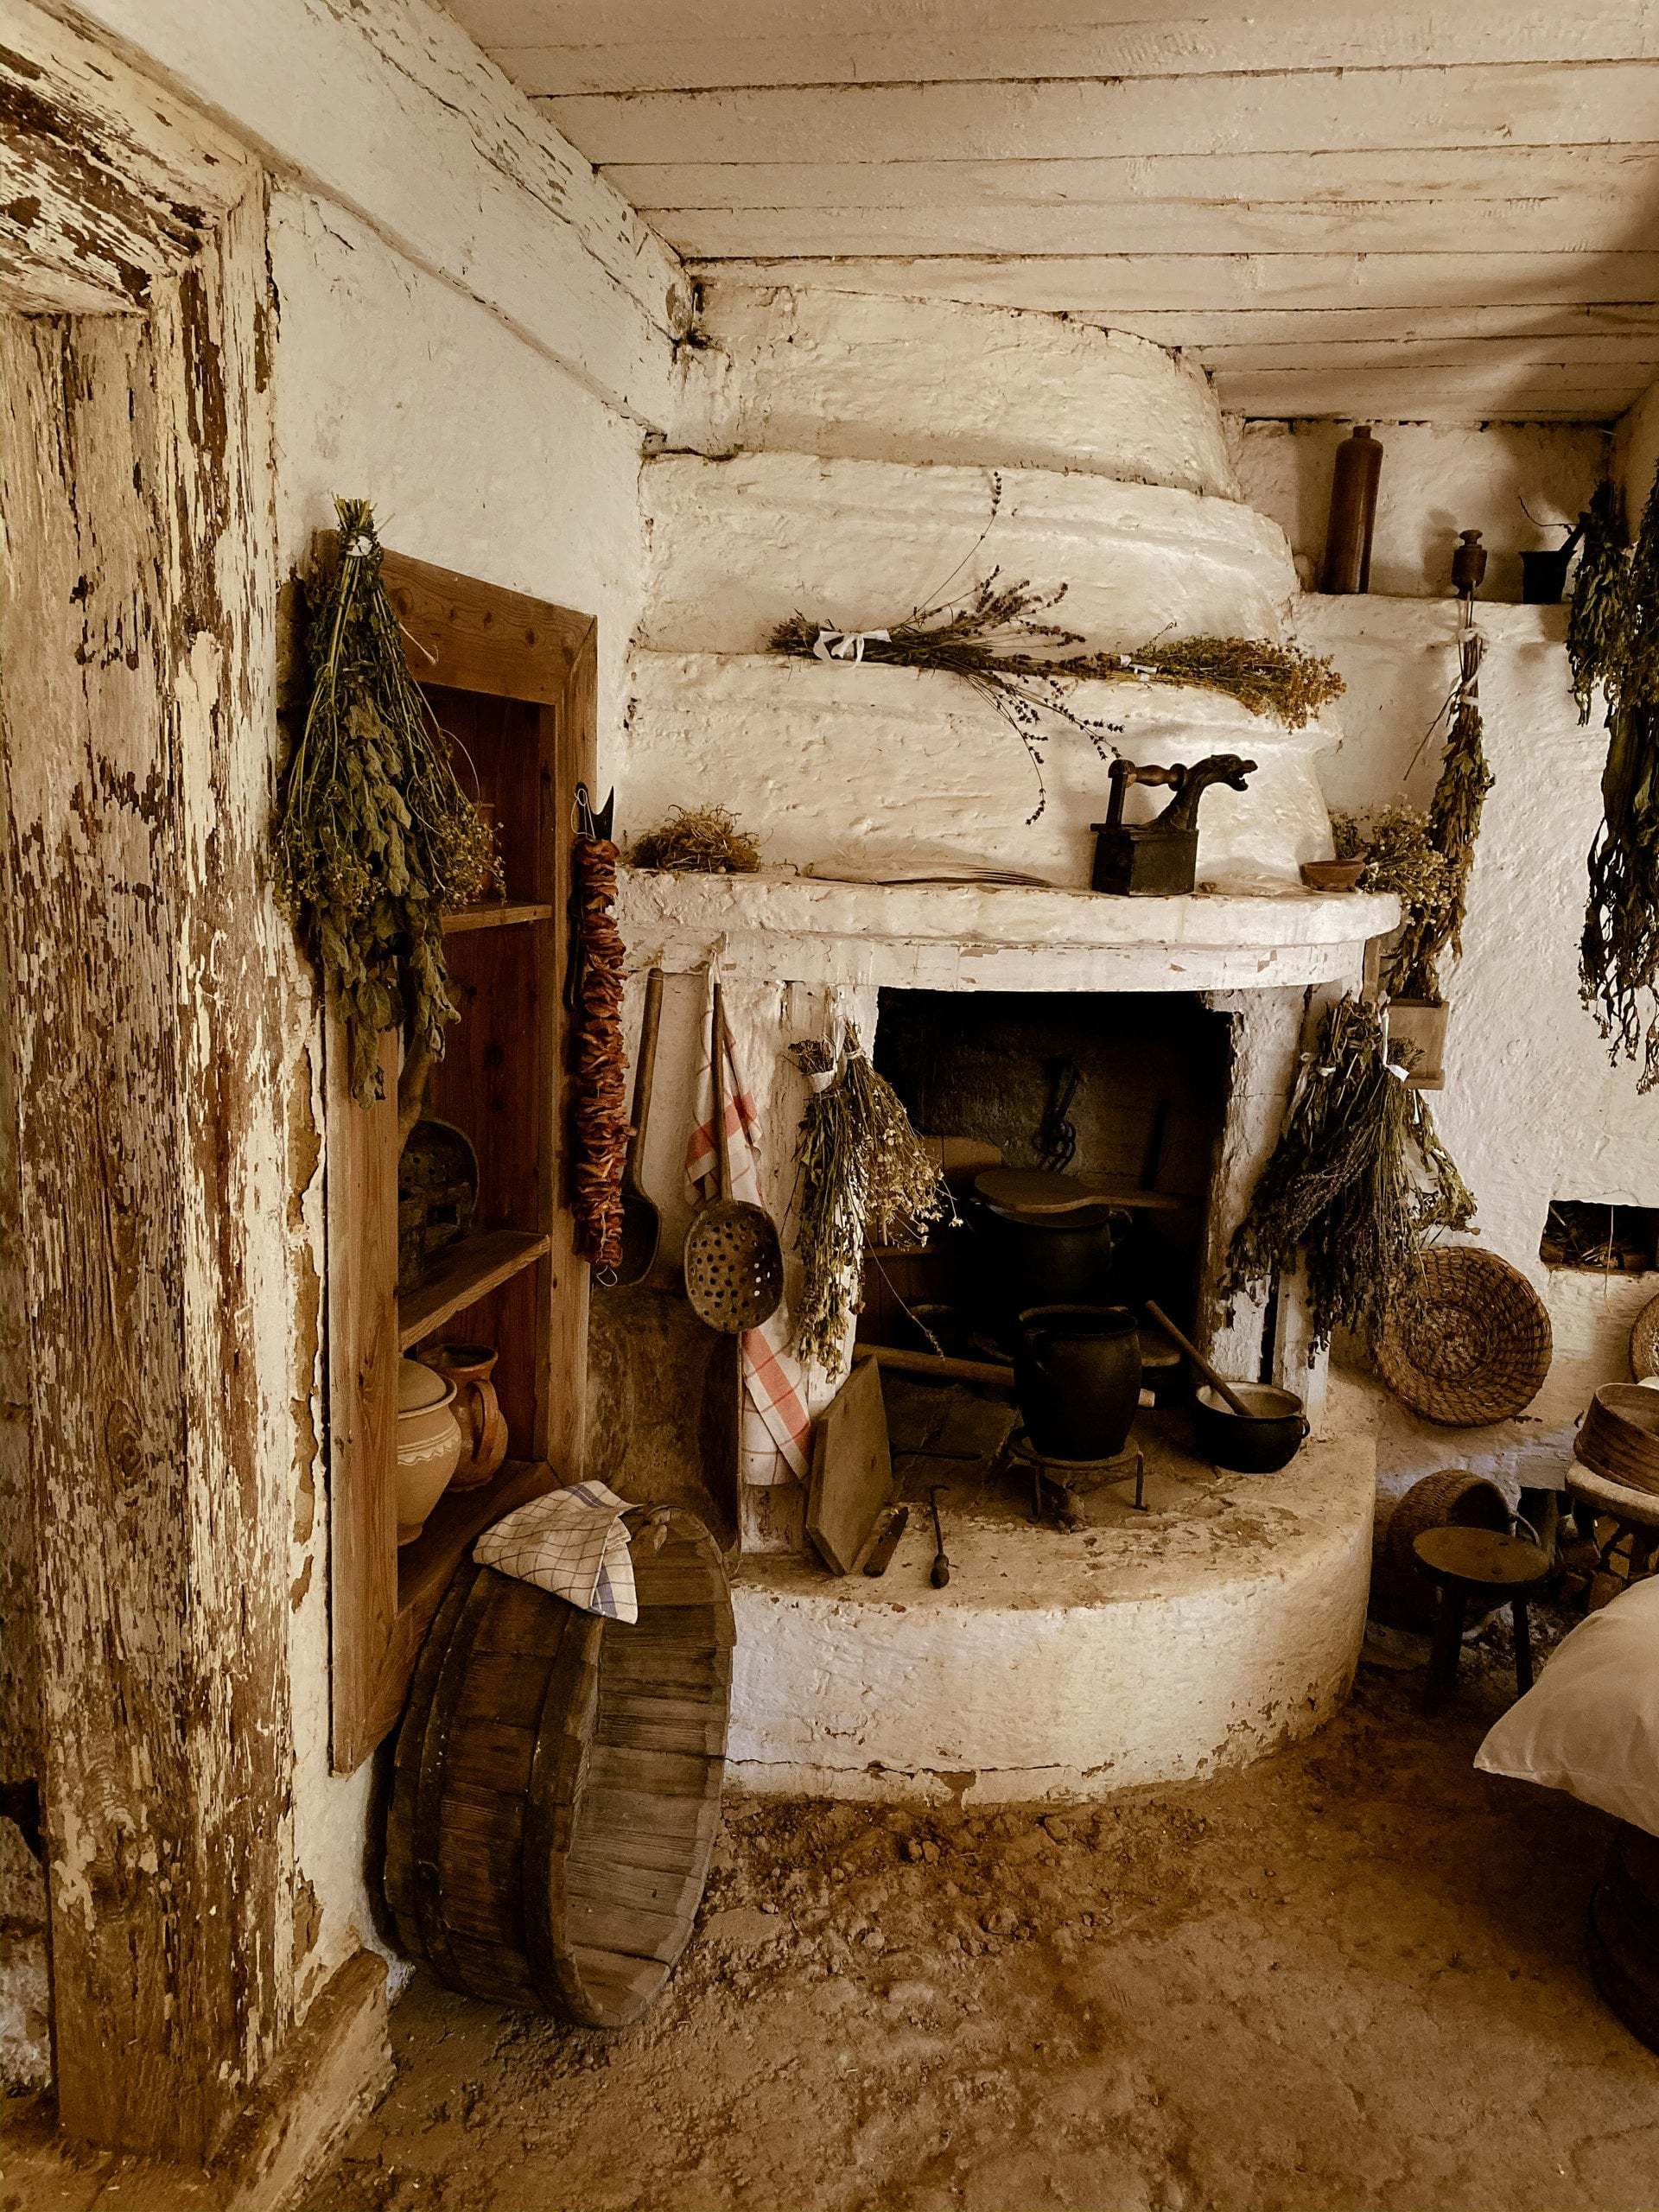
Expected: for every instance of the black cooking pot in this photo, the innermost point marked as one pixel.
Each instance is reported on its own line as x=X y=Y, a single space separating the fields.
x=1039 y=1259
x=1270 y=1438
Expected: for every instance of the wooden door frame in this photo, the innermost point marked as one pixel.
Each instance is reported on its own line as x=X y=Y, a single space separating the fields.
x=465 y=635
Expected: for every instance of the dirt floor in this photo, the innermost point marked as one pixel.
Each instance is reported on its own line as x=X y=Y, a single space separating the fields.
x=1349 y=1977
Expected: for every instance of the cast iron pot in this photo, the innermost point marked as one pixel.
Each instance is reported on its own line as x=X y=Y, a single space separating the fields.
x=1076 y=1375
x=1269 y=1439
x=1026 y=1260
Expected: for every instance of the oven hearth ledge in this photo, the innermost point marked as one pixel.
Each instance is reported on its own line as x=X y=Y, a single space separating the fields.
x=1061 y=1668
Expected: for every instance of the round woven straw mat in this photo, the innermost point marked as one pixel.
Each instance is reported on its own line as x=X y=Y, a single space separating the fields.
x=1473 y=1347
x=1645 y=1342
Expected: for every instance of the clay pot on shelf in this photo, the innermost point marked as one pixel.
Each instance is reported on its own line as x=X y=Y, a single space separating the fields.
x=1333 y=876
x=477 y=1410
x=1076 y=1375
x=428 y=1443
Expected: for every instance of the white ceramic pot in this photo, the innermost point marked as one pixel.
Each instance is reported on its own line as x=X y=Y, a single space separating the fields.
x=428 y=1443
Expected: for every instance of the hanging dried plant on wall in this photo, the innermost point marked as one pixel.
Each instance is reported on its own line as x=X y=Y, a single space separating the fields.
x=1597 y=618
x=1001 y=640
x=1357 y=1180
x=1618 y=955
x=1433 y=928
x=862 y=1172
x=375 y=838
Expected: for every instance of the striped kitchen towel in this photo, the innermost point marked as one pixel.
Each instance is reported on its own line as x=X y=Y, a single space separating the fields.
x=572 y=1542
x=776 y=1425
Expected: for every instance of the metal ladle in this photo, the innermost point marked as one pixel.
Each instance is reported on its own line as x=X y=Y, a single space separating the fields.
x=734 y=1262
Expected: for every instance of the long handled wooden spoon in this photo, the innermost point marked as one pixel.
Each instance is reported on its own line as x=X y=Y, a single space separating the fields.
x=1223 y=1390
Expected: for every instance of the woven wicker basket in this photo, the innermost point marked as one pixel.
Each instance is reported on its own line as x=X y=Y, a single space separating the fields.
x=1619 y=1437
x=1472 y=1347
x=1455 y=1498
x=1645 y=1342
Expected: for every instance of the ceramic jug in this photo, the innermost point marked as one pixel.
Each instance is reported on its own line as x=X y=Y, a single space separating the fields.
x=1076 y=1375
x=483 y=1425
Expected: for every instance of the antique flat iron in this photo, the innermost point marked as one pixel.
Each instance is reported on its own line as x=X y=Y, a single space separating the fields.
x=1159 y=859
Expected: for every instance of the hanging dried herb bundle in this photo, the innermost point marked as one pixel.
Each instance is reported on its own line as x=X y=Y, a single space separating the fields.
x=1357 y=1179
x=1597 y=621
x=375 y=838
x=698 y=841
x=862 y=1172
x=1428 y=932
x=1618 y=958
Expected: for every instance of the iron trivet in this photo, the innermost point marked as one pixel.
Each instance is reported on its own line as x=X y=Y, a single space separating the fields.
x=1057 y=1485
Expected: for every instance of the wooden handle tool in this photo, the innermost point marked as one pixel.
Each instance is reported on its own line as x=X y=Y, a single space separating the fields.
x=1224 y=1389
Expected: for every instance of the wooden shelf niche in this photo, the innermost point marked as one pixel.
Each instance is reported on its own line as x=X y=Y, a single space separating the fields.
x=511 y=680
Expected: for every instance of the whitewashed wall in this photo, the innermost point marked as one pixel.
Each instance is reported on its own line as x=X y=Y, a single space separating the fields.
x=1532 y=1110
x=1437 y=478
x=1635 y=452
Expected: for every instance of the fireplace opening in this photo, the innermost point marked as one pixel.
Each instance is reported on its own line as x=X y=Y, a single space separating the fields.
x=1124 y=1094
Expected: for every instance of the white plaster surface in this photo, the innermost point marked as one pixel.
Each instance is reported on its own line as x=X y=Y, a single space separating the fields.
x=1532 y=1110
x=1635 y=453
x=1060 y=1666
x=484 y=456
x=857 y=377
x=939 y=937
x=738 y=546
x=882 y=769
x=1436 y=479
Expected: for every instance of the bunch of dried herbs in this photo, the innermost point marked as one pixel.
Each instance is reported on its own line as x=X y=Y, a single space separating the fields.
x=698 y=841
x=861 y=1174
x=375 y=838
x=1618 y=958
x=1000 y=638
x=1357 y=1180
x=1393 y=840
x=1598 y=622
x=1429 y=931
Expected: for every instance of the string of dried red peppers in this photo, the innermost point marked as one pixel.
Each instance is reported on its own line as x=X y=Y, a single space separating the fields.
x=601 y=1130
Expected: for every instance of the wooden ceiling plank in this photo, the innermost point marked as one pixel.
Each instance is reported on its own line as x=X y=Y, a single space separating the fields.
x=551 y=49
x=1223 y=325
x=1639 y=349
x=1363 y=176
x=1607 y=226
x=1110 y=288
x=1402 y=393
x=1541 y=104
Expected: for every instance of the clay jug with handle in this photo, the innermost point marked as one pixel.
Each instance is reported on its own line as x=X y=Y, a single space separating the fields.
x=1076 y=1374
x=483 y=1424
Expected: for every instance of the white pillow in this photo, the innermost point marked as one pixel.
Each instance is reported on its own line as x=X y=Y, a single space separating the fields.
x=1590 y=1725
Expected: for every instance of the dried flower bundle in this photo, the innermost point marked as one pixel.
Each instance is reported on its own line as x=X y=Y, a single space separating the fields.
x=1618 y=958
x=1598 y=619
x=698 y=841
x=1398 y=858
x=1428 y=932
x=375 y=838
x=1000 y=640
x=862 y=1172
x=1357 y=1180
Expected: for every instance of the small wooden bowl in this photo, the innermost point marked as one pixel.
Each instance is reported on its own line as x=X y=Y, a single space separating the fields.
x=1332 y=875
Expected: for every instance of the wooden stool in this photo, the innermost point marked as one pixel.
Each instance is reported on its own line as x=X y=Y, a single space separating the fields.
x=1477 y=1564
x=1623 y=1525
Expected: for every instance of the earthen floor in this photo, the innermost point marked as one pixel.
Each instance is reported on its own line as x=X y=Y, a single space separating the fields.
x=1348 y=1977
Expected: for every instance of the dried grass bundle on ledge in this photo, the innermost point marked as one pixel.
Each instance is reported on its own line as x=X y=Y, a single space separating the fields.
x=986 y=640
x=698 y=841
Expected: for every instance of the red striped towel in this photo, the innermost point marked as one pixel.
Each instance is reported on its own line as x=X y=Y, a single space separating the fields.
x=776 y=1424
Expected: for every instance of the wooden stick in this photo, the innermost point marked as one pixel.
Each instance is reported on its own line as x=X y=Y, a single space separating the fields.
x=936 y=1364
x=1224 y=1389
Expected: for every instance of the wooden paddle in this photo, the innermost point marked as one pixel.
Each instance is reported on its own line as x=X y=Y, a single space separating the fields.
x=1223 y=1390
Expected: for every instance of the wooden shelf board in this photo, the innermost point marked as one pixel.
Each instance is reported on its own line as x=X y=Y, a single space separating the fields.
x=424 y=1566
x=495 y=914
x=467 y=1272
